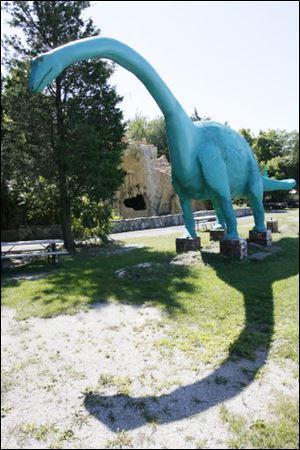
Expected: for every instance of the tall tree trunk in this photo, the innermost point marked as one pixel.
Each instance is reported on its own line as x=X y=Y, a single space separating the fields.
x=65 y=203
x=65 y=213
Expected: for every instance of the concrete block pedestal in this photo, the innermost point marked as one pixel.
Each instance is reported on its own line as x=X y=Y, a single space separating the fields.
x=236 y=248
x=272 y=225
x=188 y=245
x=261 y=238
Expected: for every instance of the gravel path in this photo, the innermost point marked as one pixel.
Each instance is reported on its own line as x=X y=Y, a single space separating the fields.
x=97 y=380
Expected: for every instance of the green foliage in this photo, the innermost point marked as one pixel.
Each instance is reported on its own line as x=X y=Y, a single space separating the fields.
x=71 y=135
x=275 y=167
x=39 y=199
x=153 y=131
x=12 y=214
x=156 y=134
x=137 y=127
x=278 y=152
x=268 y=144
x=280 y=145
x=247 y=134
x=27 y=162
x=91 y=219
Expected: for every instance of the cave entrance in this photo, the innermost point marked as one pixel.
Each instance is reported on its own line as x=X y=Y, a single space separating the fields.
x=137 y=203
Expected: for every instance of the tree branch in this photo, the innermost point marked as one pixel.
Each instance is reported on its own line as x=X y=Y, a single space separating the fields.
x=31 y=20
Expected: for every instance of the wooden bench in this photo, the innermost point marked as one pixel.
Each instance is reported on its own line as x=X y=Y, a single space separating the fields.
x=28 y=249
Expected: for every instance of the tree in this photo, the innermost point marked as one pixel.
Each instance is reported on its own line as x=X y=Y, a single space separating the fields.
x=77 y=142
x=247 y=134
x=269 y=144
x=291 y=155
x=27 y=163
x=137 y=126
x=153 y=131
x=277 y=151
x=282 y=147
x=156 y=134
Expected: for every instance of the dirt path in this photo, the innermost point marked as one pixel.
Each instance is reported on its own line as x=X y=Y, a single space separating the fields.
x=97 y=380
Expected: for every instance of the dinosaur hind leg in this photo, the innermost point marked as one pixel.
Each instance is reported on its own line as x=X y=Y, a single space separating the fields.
x=188 y=217
x=255 y=195
x=230 y=218
x=221 y=222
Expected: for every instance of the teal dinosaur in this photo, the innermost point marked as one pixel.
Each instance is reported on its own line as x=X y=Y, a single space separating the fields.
x=209 y=161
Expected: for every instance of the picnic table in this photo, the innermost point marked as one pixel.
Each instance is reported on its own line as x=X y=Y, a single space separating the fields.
x=26 y=249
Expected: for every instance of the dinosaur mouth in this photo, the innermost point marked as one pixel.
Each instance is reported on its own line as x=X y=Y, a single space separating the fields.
x=36 y=89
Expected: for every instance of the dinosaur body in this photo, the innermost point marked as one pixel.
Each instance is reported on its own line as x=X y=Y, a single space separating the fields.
x=209 y=161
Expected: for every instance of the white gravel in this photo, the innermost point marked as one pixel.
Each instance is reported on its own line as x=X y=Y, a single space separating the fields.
x=52 y=397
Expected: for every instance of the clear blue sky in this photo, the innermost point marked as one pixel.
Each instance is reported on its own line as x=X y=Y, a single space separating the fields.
x=234 y=61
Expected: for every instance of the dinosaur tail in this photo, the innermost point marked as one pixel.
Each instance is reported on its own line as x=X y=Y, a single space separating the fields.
x=269 y=184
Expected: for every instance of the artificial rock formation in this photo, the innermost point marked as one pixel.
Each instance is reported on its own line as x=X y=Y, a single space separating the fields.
x=147 y=188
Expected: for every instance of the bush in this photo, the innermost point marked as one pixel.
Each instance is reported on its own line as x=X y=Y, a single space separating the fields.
x=92 y=220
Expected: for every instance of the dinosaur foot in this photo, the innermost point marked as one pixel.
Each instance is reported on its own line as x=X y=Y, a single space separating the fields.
x=189 y=235
x=232 y=236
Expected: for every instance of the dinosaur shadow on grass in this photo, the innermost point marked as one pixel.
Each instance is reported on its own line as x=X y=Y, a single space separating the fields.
x=255 y=339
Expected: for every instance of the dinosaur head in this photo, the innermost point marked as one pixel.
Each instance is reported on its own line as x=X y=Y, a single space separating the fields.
x=44 y=69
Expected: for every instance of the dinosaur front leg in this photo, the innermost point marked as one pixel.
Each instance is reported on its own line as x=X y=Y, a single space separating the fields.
x=188 y=217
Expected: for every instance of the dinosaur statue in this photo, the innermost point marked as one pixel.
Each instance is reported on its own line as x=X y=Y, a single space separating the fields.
x=209 y=161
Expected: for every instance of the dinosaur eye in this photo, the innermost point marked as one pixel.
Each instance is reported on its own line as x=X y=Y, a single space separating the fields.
x=41 y=59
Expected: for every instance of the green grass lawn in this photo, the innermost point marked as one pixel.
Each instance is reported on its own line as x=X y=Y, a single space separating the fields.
x=210 y=304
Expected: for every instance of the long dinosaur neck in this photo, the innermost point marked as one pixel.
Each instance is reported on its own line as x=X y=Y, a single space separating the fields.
x=97 y=47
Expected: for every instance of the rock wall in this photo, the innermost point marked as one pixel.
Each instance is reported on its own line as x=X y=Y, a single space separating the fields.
x=145 y=223
x=147 y=189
